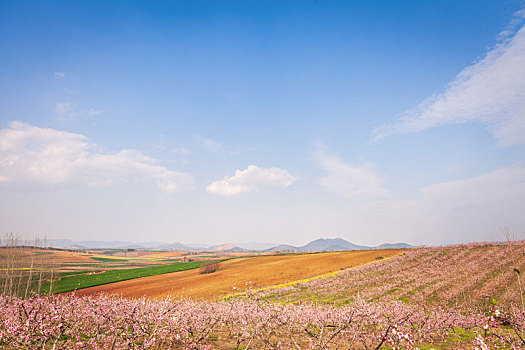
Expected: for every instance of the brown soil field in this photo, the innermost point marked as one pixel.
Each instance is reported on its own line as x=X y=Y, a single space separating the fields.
x=257 y=272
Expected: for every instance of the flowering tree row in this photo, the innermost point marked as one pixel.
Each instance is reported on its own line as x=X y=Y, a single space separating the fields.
x=70 y=322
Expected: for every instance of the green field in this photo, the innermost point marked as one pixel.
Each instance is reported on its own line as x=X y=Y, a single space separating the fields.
x=110 y=252
x=71 y=283
x=71 y=273
x=108 y=259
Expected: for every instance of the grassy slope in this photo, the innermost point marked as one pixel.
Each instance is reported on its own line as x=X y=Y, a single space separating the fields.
x=70 y=283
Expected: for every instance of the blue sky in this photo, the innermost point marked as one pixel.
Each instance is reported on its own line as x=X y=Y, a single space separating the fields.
x=285 y=121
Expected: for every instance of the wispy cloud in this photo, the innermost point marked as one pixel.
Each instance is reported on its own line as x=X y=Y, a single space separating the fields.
x=94 y=112
x=495 y=186
x=69 y=111
x=251 y=180
x=30 y=155
x=352 y=182
x=209 y=144
x=181 y=150
x=59 y=75
x=469 y=208
x=62 y=108
x=491 y=92
x=215 y=146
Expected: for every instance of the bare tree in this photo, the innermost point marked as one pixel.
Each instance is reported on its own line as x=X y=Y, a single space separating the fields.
x=511 y=240
x=26 y=266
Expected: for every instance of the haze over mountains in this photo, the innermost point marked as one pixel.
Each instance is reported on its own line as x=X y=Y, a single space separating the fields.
x=318 y=245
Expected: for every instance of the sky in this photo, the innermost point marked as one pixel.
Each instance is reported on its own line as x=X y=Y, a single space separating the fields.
x=263 y=121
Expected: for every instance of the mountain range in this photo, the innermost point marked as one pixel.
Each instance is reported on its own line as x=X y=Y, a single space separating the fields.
x=334 y=244
x=318 y=245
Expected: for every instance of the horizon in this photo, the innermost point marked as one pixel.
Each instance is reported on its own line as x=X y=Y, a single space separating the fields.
x=506 y=237
x=374 y=122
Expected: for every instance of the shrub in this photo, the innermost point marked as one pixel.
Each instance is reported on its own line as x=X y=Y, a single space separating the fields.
x=209 y=267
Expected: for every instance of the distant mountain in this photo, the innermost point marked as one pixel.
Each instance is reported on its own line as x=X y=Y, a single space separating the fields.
x=236 y=250
x=63 y=243
x=394 y=246
x=282 y=248
x=327 y=244
x=73 y=247
x=255 y=245
x=227 y=248
x=174 y=246
x=223 y=247
x=57 y=243
x=334 y=244
x=318 y=245
x=69 y=244
x=197 y=246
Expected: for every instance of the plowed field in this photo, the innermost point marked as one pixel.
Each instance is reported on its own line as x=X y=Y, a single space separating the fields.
x=257 y=272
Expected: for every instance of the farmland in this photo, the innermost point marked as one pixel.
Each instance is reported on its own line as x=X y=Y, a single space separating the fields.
x=480 y=275
x=417 y=298
x=79 y=281
x=53 y=270
x=239 y=274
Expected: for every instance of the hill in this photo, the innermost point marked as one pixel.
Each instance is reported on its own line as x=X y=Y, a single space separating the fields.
x=318 y=245
x=93 y=244
x=334 y=244
x=327 y=244
x=475 y=274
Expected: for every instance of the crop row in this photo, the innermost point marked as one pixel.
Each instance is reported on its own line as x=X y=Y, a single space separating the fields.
x=472 y=275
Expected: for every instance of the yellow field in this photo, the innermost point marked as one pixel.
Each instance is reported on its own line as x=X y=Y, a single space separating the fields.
x=241 y=273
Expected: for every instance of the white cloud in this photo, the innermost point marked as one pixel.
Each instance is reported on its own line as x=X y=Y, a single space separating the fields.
x=491 y=92
x=30 y=155
x=251 y=180
x=59 y=75
x=353 y=182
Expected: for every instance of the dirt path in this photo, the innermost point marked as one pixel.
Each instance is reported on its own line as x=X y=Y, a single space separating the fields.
x=261 y=271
